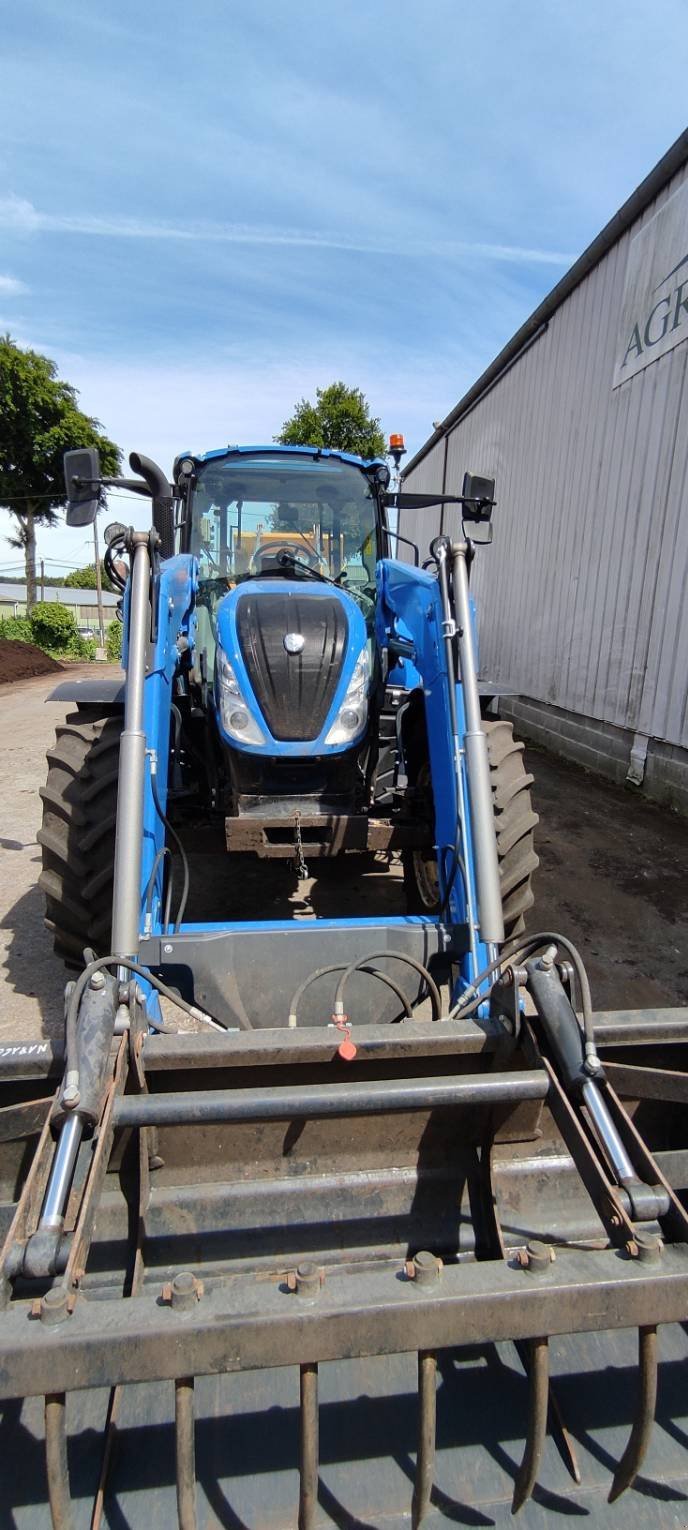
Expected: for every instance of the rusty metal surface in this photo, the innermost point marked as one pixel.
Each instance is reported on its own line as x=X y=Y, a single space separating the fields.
x=247 y=1446
x=322 y=834
x=241 y=1205
x=352 y=1096
x=247 y=1324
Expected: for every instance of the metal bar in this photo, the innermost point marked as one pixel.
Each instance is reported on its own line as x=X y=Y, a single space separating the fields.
x=88 y=1207
x=62 y=1170
x=369 y=1311
x=637 y=1082
x=603 y=1193
x=448 y=628
x=650 y=1169
x=607 y=1132
x=135 y=1284
x=427 y=1425
x=267 y=1047
x=490 y=916
x=24 y=1217
x=309 y=1450
x=613 y=1028
x=621 y=1027
x=126 y=904
x=185 y=1452
x=538 y=1406
x=59 y=1496
x=23 y=1120
x=195 y=1107
x=634 y=1454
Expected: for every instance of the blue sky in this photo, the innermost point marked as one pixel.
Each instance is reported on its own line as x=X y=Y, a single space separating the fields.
x=207 y=210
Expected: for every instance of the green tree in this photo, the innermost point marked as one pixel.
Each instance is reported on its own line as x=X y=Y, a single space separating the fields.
x=85 y=578
x=113 y=641
x=340 y=418
x=41 y=420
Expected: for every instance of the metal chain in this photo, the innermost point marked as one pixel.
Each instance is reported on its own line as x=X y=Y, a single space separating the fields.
x=300 y=866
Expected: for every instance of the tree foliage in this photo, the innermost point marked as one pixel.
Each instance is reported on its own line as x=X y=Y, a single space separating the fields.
x=53 y=628
x=85 y=578
x=113 y=641
x=340 y=419
x=41 y=420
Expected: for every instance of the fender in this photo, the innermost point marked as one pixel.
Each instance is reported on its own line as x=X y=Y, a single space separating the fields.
x=105 y=692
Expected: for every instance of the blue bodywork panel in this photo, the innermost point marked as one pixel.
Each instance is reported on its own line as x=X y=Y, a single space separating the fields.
x=409 y=608
x=228 y=641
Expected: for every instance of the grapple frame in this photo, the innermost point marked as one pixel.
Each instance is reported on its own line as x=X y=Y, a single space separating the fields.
x=429 y=1118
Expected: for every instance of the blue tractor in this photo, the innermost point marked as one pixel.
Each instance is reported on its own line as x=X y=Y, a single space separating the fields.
x=291 y=1171
x=292 y=701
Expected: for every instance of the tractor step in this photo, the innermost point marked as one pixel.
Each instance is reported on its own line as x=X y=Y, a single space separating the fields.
x=322 y=834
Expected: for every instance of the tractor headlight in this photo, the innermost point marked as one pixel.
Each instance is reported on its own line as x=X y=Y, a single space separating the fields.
x=235 y=714
x=353 y=713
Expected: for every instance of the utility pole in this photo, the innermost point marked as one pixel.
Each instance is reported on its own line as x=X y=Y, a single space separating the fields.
x=42 y=580
x=99 y=585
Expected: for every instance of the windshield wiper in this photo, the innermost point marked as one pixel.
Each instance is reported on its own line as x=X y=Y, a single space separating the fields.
x=287 y=560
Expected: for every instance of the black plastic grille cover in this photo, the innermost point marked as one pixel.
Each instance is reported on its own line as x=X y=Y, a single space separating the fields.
x=294 y=691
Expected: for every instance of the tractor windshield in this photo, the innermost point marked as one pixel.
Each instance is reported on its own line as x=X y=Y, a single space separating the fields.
x=248 y=512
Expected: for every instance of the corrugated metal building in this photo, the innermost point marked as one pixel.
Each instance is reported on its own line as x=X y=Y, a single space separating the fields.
x=84 y=603
x=583 y=422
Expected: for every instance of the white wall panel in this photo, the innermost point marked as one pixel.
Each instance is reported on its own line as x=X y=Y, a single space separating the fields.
x=582 y=596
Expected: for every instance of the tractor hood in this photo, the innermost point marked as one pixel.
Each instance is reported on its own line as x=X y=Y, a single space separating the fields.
x=292 y=668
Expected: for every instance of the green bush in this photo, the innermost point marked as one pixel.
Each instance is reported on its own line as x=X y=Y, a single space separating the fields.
x=17 y=628
x=113 y=642
x=54 y=628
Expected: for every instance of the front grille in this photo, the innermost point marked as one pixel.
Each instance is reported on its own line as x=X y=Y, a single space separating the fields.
x=294 y=691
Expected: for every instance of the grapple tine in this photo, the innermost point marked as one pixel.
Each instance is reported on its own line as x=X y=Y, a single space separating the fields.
x=308 y=1447
x=538 y=1405
x=186 y=1452
x=59 y=1495
x=427 y=1418
x=639 y=1438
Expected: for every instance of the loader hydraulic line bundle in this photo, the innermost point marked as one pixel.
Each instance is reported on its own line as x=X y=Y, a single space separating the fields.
x=290 y=1181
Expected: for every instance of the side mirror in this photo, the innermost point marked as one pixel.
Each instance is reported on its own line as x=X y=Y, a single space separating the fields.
x=478 y=496
x=478 y=532
x=82 y=482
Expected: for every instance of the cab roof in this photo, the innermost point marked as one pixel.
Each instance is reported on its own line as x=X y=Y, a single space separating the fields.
x=303 y=451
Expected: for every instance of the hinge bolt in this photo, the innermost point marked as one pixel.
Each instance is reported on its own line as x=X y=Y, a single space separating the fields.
x=183 y=1292
x=425 y=1268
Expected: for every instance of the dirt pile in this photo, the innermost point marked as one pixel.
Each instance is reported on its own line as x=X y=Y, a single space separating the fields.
x=18 y=661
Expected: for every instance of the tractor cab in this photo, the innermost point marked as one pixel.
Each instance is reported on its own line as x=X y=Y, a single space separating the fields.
x=287 y=542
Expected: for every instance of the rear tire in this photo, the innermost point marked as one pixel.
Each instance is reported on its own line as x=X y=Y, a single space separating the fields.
x=515 y=822
x=77 y=835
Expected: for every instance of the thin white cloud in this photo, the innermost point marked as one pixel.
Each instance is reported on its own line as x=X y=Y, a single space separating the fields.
x=22 y=217
x=10 y=286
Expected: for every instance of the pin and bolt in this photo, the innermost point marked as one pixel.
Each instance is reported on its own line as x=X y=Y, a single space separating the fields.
x=183 y=1292
x=55 y=1306
x=306 y=1280
x=536 y=1257
x=425 y=1268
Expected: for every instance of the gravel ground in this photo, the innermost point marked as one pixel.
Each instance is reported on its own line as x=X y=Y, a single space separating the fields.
x=612 y=877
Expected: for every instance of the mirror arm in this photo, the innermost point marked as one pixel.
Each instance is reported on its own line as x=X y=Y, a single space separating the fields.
x=132 y=485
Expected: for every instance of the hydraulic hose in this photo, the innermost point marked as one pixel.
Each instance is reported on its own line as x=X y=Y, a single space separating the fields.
x=165 y=852
x=400 y=956
x=516 y=951
x=129 y=965
x=173 y=835
x=325 y=971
